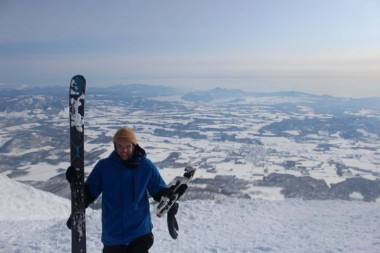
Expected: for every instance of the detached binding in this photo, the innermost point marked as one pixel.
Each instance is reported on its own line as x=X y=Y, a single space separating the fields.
x=180 y=188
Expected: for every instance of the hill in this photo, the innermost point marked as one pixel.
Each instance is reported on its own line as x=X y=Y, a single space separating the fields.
x=33 y=221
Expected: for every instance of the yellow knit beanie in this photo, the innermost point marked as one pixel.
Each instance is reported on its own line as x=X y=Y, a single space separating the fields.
x=125 y=134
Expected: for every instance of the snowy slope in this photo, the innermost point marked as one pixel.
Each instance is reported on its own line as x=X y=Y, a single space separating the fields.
x=34 y=221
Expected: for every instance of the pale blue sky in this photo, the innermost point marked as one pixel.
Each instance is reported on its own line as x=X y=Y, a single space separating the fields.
x=318 y=46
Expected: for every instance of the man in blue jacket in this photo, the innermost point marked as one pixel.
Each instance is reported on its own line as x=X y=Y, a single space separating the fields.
x=125 y=179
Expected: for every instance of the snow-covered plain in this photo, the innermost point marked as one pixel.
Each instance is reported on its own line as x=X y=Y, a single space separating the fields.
x=34 y=221
x=247 y=138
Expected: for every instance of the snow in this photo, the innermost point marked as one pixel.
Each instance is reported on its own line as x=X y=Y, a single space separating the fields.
x=22 y=202
x=34 y=221
x=76 y=119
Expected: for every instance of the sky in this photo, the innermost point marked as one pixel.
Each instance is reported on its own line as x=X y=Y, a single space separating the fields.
x=317 y=46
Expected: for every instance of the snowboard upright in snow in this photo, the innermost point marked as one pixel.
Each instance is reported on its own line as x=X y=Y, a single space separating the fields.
x=76 y=99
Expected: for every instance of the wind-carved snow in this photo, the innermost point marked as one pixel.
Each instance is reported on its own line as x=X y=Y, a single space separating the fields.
x=22 y=202
x=34 y=221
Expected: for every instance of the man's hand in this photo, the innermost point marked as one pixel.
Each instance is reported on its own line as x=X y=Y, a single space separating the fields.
x=71 y=174
x=165 y=192
x=69 y=222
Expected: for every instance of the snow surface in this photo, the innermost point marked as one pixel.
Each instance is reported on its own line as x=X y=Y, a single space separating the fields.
x=34 y=221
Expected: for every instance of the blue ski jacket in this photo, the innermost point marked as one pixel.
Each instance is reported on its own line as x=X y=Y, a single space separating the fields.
x=124 y=189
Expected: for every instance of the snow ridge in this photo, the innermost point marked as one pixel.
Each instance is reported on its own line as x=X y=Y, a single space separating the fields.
x=33 y=221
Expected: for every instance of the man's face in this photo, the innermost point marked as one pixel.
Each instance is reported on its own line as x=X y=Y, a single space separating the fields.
x=124 y=149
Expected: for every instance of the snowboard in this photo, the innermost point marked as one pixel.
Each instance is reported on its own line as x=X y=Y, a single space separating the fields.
x=76 y=107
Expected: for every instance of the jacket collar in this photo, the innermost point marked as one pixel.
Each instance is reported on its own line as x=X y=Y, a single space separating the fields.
x=138 y=152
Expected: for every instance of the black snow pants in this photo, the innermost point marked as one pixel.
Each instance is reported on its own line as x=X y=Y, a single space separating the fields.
x=139 y=245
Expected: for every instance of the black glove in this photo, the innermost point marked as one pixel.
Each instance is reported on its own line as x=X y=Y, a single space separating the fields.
x=172 y=221
x=167 y=192
x=71 y=174
x=69 y=222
